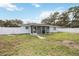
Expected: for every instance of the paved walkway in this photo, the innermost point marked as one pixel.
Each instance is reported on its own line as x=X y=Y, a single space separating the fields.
x=40 y=37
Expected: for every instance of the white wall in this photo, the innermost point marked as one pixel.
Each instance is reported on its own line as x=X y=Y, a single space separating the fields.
x=23 y=30
x=71 y=30
x=51 y=29
x=14 y=30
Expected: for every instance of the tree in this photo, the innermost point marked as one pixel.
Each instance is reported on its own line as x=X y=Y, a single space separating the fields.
x=13 y=23
x=54 y=17
x=46 y=21
x=75 y=16
x=51 y=19
x=19 y=22
x=7 y=23
x=69 y=18
x=2 y=23
x=63 y=19
x=75 y=23
x=74 y=11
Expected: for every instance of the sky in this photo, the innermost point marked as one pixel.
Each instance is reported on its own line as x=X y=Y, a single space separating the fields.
x=31 y=12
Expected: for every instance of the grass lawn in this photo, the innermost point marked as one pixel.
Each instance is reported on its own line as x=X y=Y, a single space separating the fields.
x=55 y=44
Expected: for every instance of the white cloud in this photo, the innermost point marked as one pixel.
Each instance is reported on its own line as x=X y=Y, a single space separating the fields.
x=29 y=21
x=10 y=7
x=45 y=14
x=42 y=15
x=36 y=5
x=25 y=21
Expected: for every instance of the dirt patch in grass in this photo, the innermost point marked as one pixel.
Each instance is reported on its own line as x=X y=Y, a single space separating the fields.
x=2 y=44
x=6 y=48
x=68 y=43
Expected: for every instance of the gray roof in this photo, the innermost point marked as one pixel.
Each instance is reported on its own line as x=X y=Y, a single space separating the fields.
x=36 y=24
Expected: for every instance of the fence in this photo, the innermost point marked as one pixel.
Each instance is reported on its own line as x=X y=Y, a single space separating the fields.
x=13 y=30
x=23 y=30
x=71 y=30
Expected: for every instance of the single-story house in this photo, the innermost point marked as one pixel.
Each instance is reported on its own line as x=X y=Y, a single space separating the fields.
x=31 y=28
x=34 y=28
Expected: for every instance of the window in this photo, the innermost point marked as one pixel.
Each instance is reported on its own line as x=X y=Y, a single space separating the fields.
x=54 y=28
x=27 y=27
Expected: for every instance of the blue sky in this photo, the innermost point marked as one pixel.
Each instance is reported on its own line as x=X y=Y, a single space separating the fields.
x=31 y=12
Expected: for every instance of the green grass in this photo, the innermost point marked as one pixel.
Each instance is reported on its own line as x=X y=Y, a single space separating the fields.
x=32 y=46
x=63 y=36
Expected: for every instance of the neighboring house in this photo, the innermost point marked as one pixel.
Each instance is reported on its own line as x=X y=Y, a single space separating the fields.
x=34 y=28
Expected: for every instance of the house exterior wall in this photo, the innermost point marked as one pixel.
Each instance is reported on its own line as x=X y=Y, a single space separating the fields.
x=14 y=30
x=20 y=30
x=23 y=30
x=52 y=29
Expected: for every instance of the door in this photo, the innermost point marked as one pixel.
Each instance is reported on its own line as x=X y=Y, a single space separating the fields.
x=43 y=30
x=33 y=29
x=38 y=30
